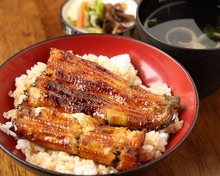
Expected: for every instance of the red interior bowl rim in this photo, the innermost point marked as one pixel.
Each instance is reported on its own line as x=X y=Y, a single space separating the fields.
x=141 y=167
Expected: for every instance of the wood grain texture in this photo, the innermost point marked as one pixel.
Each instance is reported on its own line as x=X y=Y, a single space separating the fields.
x=25 y=22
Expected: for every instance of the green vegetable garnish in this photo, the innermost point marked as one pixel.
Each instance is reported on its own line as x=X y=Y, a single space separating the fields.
x=94 y=30
x=208 y=46
x=209 y=30
x=152 y=22
x=72 y=22
x=95 y=12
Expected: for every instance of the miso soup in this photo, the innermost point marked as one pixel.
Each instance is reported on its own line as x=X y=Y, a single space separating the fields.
x=185 y=24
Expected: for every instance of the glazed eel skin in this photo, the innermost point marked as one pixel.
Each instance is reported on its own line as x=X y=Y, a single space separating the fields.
x=74 y=85
x=120 y=113
x=80 y=135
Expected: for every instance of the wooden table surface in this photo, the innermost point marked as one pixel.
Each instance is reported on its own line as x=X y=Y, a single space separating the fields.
x=25 y=22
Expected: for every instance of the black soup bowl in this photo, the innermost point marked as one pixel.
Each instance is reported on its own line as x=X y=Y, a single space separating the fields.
x=163 y=23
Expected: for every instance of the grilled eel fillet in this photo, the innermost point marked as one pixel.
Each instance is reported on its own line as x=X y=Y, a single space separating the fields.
x=80 y=135
x=74 y=85
x=70 y=85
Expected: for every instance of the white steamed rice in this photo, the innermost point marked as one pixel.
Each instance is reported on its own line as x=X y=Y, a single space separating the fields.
x=154 y=144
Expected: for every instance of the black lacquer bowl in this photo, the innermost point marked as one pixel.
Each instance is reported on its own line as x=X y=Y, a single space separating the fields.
x=202 y=64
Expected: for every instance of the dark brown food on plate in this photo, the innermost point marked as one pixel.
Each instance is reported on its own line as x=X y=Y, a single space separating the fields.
x=115 y=19
x=74 y=85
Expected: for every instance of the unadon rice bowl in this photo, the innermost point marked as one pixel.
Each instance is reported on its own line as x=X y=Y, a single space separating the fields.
x=153 y=145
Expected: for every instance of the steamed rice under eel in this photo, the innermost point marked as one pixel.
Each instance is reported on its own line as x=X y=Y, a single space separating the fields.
x=73 y=85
